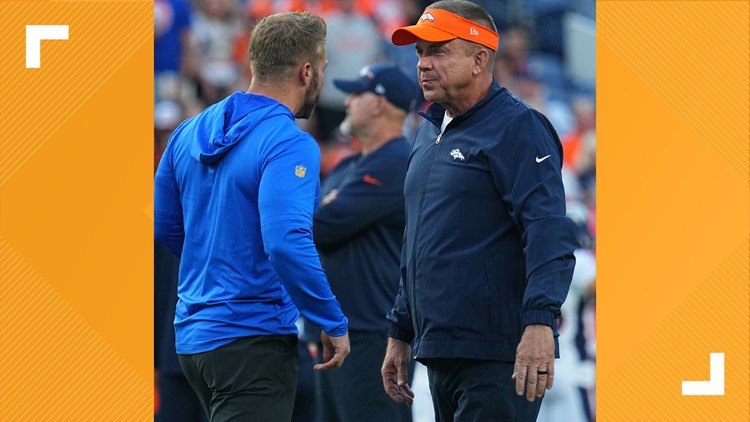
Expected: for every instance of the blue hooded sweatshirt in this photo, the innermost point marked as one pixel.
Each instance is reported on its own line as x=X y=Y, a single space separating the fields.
x=234 y=196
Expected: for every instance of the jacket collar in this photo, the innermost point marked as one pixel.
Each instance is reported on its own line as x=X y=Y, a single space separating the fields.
x=435 y=112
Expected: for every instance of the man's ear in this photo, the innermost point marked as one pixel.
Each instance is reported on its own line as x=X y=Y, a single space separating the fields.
x=481 y=59
x=306 y=74
x=381 y=106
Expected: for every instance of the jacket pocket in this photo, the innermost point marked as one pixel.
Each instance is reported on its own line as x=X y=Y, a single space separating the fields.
x=505 y=308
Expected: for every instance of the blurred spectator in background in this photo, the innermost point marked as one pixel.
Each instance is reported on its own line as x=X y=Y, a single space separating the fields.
x=352 y=42
x=574 y=372
x=358 y=230
x=174 y=57
x=167 y=115
x=403 y=56
x=516 y=59
x=216 y=27
x=529 y=87
x=547 y=16
x=387 y=14
x=579 y=145
x=513 y=57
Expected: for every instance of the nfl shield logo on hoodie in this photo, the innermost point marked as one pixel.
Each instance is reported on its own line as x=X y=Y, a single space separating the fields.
x=300 y=171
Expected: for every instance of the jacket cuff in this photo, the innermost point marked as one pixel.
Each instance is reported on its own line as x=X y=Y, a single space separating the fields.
x=399 y=333
x=538 y=316
x=340 y=329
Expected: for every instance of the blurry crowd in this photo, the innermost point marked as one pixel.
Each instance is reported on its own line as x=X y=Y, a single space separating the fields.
x=200 y=57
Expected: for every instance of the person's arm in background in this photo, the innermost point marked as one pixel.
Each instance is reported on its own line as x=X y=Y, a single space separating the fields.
x=190 y=63
x=376 y=192
x=288 y=191
x=183 y=21
x=532 y=184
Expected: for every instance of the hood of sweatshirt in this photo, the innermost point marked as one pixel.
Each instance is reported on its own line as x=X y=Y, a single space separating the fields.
x=223 y=125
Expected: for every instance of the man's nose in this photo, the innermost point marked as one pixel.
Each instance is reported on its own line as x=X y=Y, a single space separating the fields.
x=423 y=63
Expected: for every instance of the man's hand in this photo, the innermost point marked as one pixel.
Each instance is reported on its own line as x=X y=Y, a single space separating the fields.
x=395 y=372
x=335 y=350
x=535 y=361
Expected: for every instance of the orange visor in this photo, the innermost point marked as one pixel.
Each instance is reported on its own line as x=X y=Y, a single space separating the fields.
x=437 y=25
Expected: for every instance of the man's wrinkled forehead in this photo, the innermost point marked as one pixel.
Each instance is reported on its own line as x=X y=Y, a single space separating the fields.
x=428 y=46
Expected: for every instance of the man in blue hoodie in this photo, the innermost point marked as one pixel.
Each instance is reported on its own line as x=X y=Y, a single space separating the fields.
x=488 y=251
x=234 y=197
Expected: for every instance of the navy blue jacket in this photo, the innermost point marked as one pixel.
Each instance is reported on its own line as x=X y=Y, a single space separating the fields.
x=359 y=234
x=488 y=249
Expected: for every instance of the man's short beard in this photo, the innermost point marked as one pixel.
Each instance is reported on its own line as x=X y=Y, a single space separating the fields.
x=312 y=95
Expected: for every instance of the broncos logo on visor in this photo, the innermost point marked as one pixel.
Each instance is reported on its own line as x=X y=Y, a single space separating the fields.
x=427 y=17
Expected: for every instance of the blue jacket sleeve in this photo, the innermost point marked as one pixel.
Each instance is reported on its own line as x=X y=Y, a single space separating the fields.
x=168 y=223
x=372 y=194
x=287 y=195
x=527 y=170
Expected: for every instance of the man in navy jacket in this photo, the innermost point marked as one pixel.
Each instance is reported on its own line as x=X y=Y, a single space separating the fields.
x=359 y=229
x=488 y=252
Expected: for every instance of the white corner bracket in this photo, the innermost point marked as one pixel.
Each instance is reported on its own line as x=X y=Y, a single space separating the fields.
x=714 y=386
x=34 y=36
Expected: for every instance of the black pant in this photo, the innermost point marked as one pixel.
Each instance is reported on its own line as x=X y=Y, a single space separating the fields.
x=466 y=390
x=354 y=392
x=251 y=379
x=178 y=401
